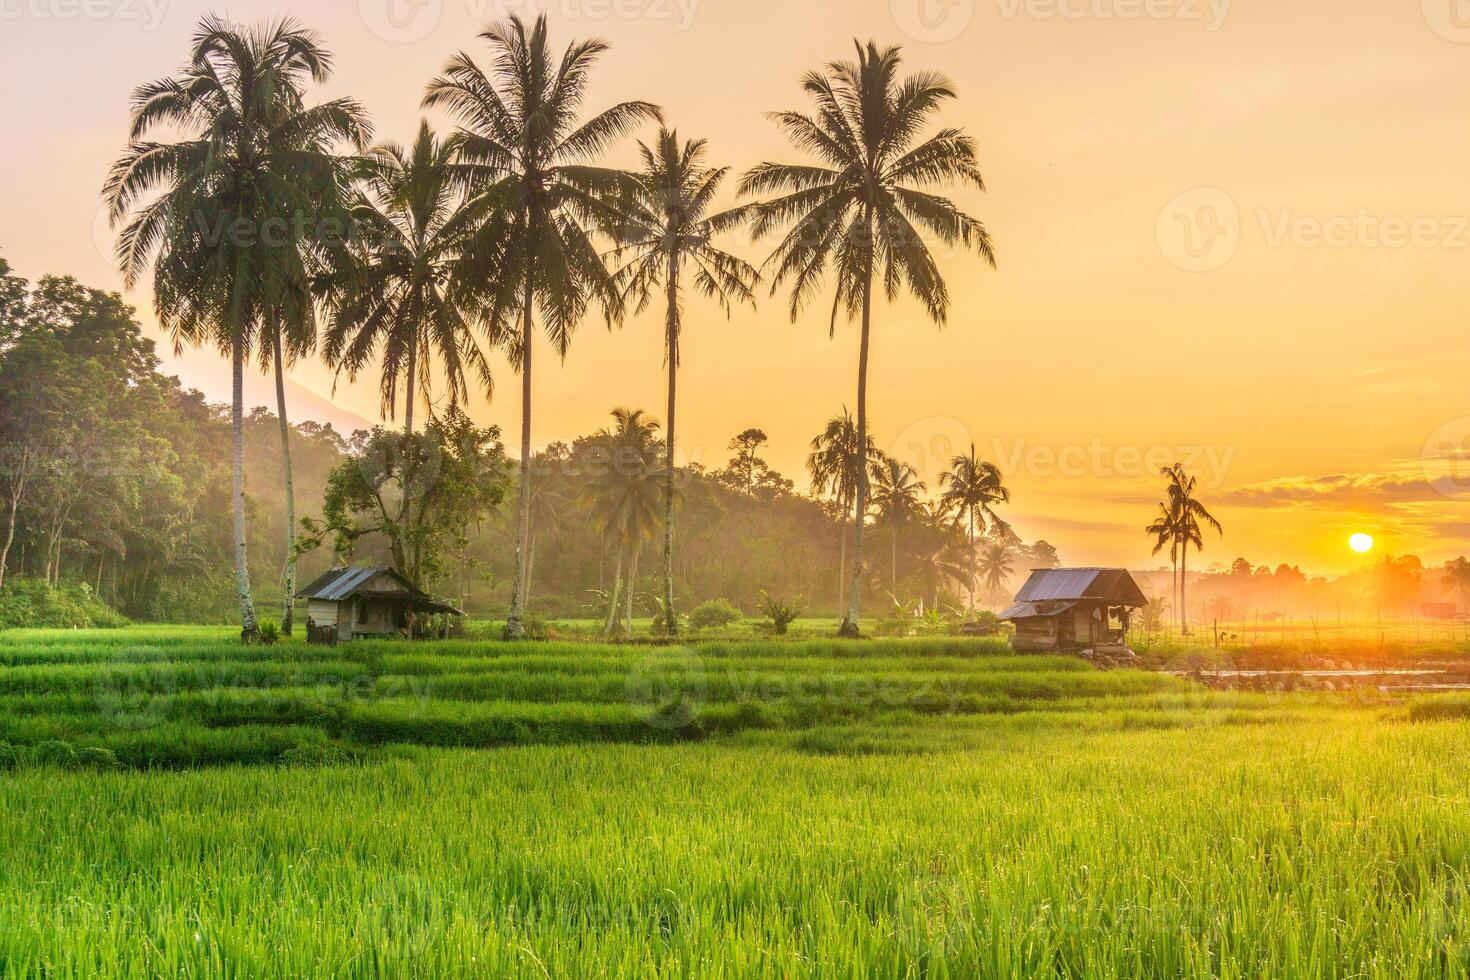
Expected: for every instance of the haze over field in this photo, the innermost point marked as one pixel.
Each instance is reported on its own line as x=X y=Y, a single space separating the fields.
x=1234 y=233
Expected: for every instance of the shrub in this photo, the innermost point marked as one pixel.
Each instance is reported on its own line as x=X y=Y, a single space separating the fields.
x=714 y=614
x=269 y=633
x=780 y=611
x=28 y=603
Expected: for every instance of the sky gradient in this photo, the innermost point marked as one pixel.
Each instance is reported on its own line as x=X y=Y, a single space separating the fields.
x=1236 y=234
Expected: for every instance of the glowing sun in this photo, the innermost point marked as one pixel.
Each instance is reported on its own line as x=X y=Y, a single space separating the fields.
x=1361 y=543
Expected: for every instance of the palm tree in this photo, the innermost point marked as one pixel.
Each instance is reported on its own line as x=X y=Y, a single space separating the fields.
x=1162 y=530
x=1457 y=577
x=863 y=211
x=529 y=155
x=972 y=488
x=940 y=556
x=996 y=565
x=1187 y=513
x=835 y=472
x=400 y=299
x=227 y=214
x=665 y=234
x=896 y=492
x=624 y=494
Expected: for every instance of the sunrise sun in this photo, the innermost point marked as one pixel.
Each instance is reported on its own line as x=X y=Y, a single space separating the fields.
x=1361 y=543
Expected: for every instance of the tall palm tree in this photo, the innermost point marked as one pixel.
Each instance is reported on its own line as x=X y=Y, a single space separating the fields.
x=863 y=210
x=530 y=157
x=399 y=298
x=836 y=472
x=227 y=215
x=896 y=494
x=1188 y=513
x=624 y=494
x=972 y=488
x=665 y=234
x=996 y=566
x=1162 y=531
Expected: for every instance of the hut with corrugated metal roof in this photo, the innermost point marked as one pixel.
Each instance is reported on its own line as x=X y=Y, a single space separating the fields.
x=354 y=603
x=1072 y=609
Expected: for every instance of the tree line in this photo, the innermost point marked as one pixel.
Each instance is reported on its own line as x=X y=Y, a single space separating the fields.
x=274 y=229
x=115 y=477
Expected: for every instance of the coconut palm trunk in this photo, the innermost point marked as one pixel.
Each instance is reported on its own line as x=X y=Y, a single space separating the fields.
x=288 y=611
x=515 y=628
x=612 y=597
x=628 y=593
x=248 y=626
x=671 y=619
x=972 y=558
x=860 y=504
x=1183 y=598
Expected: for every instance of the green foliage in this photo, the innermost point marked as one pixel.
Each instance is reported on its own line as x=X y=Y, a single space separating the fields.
x=781 y=612
x=28 y=603
x=422 y=493
x=269 y=633
x=714 y=614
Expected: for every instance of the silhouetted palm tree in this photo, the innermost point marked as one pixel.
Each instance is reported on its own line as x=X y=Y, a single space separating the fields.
x=1457 y=577
x=532 y=156
x=1162 y=530
x=862 y=212
x=1187 y=513
x=896 y=492
x=399 y=299
x=972 y=488
x=229 y=215
x=835 y=471
x=624 y=493
x=665 y=236
x=996 y=566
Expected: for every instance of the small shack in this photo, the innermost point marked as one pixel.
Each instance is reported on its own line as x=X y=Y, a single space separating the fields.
x=1071 y=609
x=356 y=603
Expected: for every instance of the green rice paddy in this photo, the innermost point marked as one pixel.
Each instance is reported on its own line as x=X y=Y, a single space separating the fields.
x=174 y=804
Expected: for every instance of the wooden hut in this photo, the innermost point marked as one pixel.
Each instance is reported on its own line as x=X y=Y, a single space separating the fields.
x=357 y=603
x=1071 y=609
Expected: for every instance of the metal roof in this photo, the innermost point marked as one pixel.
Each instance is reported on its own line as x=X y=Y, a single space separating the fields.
x=1037 y=610
x=1111 y=584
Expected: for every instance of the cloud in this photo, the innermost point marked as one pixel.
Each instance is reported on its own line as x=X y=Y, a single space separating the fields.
x=1359 y=490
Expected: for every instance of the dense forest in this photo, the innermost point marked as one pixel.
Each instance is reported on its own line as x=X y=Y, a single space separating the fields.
x=116 y=479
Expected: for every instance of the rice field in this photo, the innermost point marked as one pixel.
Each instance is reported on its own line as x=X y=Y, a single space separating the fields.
x=172 y=803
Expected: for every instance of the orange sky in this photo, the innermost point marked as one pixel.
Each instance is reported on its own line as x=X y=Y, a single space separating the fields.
x=1237 y=232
